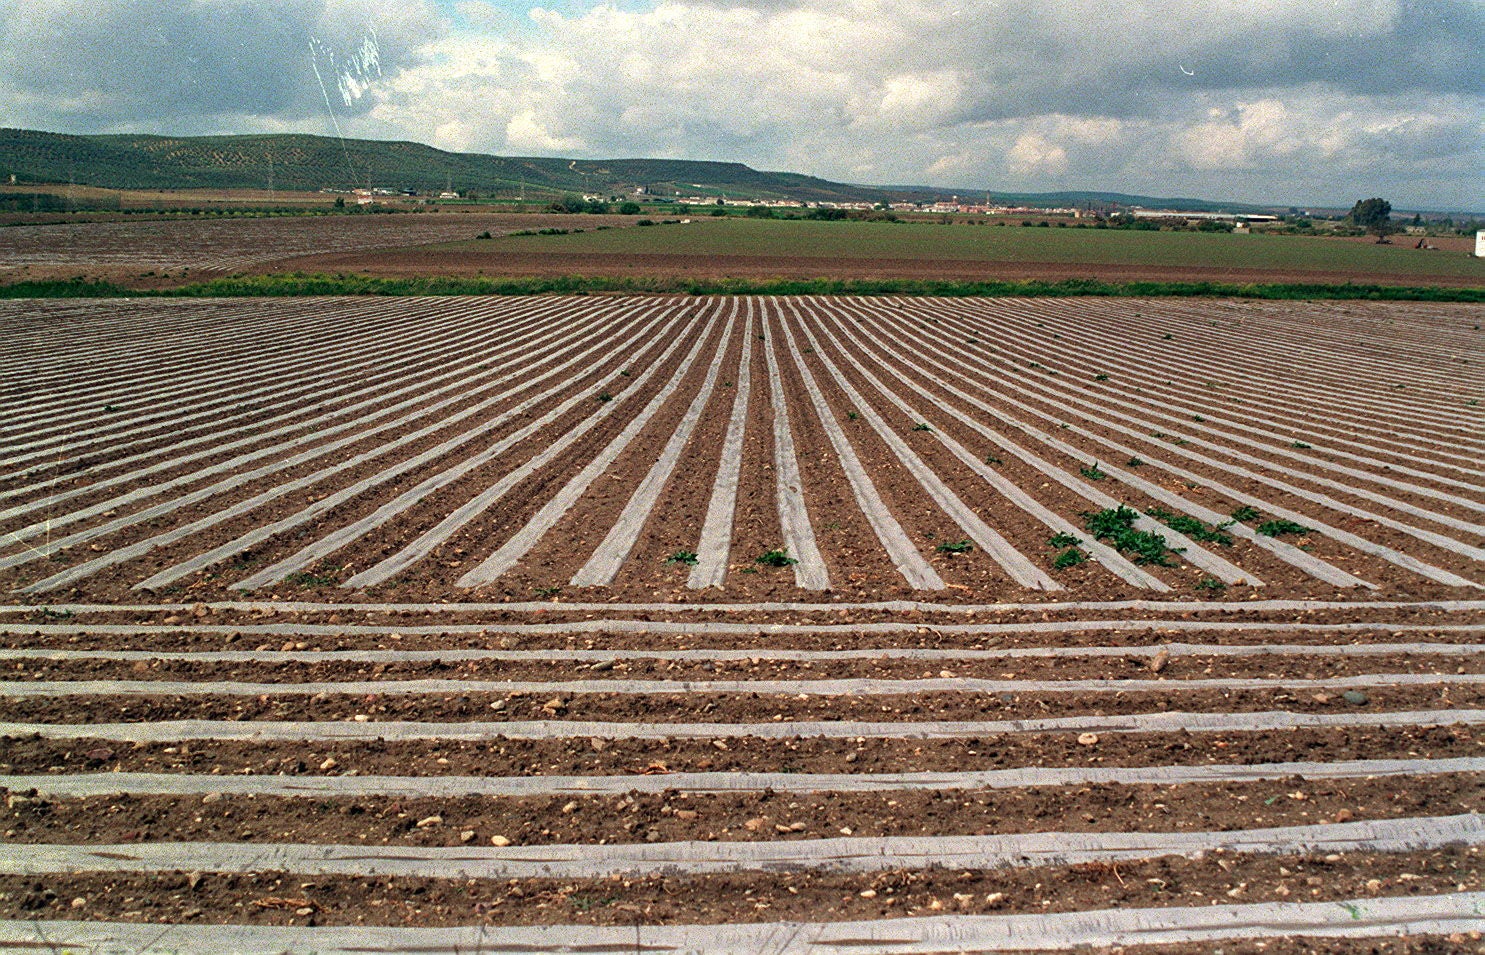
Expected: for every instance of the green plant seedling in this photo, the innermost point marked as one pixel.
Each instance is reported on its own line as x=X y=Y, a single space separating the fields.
x=686 y=557
x=1244 y=514
x=1299 y=444
x=307 y=579
x=1116 y=525
x=1134 y=463
x=775 y=558
x=922 y=426
x=1100 y=377
x=1063 y=539
x=1211 y=584
x=545 y=592
x=1092 y=473
x=1190 y=526
x=956 y=547
x=1279 y=526
x=1071 y=557
x=603 y=397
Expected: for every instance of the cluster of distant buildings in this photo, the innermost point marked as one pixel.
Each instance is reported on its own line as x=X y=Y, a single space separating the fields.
x=366 y=197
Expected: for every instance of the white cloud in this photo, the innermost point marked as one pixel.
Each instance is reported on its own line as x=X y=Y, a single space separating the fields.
x=1034 y=155
x=525 y=134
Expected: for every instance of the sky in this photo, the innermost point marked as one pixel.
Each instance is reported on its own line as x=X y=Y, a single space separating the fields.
x=1294 y=102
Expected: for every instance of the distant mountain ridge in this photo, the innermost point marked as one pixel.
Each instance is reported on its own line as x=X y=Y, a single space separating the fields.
x=303 y=162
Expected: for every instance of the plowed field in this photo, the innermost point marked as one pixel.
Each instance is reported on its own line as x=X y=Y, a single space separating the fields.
x=741 y=624
x=212 y=247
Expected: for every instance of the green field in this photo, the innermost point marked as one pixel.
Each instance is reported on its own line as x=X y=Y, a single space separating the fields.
x=885 y=240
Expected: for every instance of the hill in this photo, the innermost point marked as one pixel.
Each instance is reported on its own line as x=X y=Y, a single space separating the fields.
x=304 y=162
x=301 y=162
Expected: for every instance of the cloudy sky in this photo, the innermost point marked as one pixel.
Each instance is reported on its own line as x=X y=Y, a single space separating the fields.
x=1288 y=101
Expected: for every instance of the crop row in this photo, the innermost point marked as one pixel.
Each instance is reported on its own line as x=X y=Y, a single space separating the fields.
x=550 y=444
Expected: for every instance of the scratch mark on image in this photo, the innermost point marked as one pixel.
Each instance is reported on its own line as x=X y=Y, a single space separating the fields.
x=353 y=74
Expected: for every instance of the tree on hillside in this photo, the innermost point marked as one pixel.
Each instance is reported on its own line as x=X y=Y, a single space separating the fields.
x=1373 y=215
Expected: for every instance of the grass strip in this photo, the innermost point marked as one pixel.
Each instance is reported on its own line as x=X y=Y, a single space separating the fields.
x=302 y=284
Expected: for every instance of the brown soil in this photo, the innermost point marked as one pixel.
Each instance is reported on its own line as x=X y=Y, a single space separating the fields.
x=802 y=896
x=704 y=707
x=1060 y=668
x=1342 y=367
x=750 y=817
x=414 y=263
x=622 y=757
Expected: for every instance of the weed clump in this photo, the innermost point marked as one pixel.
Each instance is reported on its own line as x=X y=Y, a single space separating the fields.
x=1071 y=557
x=1279 y=527
x=1191 y=527
x=1116 y=526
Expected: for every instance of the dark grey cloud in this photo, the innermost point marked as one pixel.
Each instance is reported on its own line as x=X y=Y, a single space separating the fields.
x=138 y=61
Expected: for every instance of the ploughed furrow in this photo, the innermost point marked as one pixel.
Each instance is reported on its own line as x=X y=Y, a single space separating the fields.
x=1210 y=382
x=936 y=368
x=905 y=557
x=1046 y=406
x=1328 y=424
x=1022 y=570
x=617 y=545
x=509 y=674
x=1194 y=429
x=444 y=416
x=1221 y=569
x=475 y=507
x=223 y=245
x=252 y=418
x=758 y=805
x=92 y=395
x=252 y=540
x=715 y=543
x=1324 y=371
x=187 y=386
x=796 y=531
x=465 y=340
x=1191 y=425
x=111 y=331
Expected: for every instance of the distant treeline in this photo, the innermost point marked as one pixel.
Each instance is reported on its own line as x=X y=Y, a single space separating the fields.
x=34 y=202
